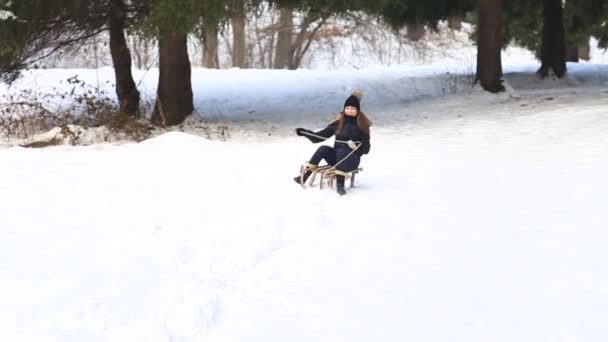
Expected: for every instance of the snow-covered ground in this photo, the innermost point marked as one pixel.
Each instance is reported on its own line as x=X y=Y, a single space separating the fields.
x=477 y=217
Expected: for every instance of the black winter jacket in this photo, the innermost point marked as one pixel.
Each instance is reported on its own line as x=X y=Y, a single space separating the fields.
x=350 y=131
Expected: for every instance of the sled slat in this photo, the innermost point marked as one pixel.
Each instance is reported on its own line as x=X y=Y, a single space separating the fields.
x=328 y=175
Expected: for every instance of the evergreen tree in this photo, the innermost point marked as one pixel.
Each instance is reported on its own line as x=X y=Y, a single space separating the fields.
x=489 y=64
x=581 y=20
x=40 y=26
x=587 y=18
x=399 y=13
x=553 y=46
x=171 y=21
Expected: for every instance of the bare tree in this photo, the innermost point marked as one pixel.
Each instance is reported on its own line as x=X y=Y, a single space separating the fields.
x=304 y=39
x=209 y=38
x=238 y=34
x=284 y=37
x=141 y=48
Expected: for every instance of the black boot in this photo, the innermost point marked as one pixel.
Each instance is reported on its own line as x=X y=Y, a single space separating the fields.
x=340 y=185
x=298 y=179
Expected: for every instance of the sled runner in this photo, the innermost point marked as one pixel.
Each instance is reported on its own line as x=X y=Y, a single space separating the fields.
x=327 y=175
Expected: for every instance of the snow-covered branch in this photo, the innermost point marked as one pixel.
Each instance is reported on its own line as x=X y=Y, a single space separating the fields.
x=6 y=15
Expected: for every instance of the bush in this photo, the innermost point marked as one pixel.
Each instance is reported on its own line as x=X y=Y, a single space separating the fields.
x=30 y=113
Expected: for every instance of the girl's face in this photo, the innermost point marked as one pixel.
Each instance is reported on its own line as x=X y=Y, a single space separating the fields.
x=350 y=111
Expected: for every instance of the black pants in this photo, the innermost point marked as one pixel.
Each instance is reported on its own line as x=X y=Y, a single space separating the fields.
x=332 y=155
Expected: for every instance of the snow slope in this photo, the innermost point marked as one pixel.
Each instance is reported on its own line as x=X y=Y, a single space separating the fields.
x=477 y=217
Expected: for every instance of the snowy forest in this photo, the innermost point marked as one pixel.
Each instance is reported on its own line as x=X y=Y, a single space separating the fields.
x=278 y=35
x=318 y=170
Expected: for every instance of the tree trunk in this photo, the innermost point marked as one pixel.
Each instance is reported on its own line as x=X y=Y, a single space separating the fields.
x=210 y=46
x=238 y=35
x=553 y=50
x=174 y=95
x=126 y=91
x=281 y=57
x=270 y=50
x=583 y=51
x=572 y=54
x=455 y=22
x=415 y=32
x=489 y=65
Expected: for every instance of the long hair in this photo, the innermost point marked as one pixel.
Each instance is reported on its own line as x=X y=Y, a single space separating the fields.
x=363 y=122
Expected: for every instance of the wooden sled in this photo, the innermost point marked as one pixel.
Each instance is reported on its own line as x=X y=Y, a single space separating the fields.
x=327 y=175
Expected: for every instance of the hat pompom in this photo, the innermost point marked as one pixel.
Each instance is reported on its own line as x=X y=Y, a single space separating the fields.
x=358 y=94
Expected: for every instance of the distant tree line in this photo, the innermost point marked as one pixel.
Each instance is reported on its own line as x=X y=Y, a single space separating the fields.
x=555 y=30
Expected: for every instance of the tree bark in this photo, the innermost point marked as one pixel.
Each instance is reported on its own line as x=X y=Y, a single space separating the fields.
x=126 y=91
x=174 y=95
x=281 y=57
x=489 y=64
x=238 y=35
x=553 y=50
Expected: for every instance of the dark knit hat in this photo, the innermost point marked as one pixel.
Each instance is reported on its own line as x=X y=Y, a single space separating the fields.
x=353 y=101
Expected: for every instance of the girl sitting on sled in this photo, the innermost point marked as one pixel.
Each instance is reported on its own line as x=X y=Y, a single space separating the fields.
x=351 y=128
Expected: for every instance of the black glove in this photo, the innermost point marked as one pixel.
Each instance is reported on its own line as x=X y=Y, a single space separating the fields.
x=299 y=131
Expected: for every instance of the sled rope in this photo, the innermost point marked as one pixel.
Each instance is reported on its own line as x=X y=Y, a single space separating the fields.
x=324 y=138
x=348 y=155
x=357 y=143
